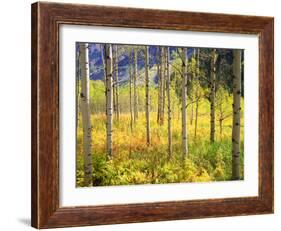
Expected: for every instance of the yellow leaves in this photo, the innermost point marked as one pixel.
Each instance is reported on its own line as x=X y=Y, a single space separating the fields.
x=136 y=163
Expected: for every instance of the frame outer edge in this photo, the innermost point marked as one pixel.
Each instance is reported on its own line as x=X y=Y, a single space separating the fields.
x=34 y=115
x=266 y=104
x=45 y=208
x=269 y=34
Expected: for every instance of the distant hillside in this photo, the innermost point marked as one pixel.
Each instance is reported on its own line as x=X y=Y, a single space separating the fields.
x=97 y=70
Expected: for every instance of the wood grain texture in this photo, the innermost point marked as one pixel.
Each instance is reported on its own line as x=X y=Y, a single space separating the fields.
x=46 y=19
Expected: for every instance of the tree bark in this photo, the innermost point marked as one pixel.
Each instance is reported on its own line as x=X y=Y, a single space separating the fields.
x=102 y=50
x=197 y=92
x=78 y=77
x=213 y=96
x=236 y=115
x=114 y=79
x=169 y=106
x=86 y=114
x=117 y=84
x=109 y=98
x=196 y=117
x=135 y=85
x=130 y=82
x=184 y=104
x=163 y=85
x=159 y=85
x=103 y=63
x=191 y=82
x=147 y=96
x=220 y=119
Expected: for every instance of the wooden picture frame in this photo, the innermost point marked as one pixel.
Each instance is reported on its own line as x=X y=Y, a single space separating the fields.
x=46 y=19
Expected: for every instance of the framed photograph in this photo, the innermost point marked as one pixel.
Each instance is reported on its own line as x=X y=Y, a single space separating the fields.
x=148 y=115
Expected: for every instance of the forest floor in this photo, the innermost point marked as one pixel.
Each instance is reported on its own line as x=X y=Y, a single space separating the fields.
x=134 y=162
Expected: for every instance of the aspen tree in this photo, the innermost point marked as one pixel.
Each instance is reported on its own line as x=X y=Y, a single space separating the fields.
x=191 y=82
x=213 y=95
x=135 y=84
x=102 y=50
x=103 y=63
x=169 y=106
x=147 y=96
x=117 y=84
x=184 y=104
x=130 y=87
x=236 y=115
x=114 y=80
x=159 y=75
x=162 y=87
x=86 y=114
x=197 y=92
x=109 y=99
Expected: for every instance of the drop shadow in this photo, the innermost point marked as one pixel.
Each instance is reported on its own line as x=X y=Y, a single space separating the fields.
x=25 y=221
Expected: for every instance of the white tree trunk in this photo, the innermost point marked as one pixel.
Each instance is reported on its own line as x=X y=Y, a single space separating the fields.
x=196 y=117
x=109 y=99
x=159 y=85
x=163 y=85
x=169 y=106
x=117 y=84
x=147 y=96
x=192 y=95
x=86 y=114
x=103 y=63
x=130 y=87
x=135 y=85
x=236 y=115
x=78 y=77
x=197 y=92
x=114 y=80
x=213 y=95
x=184 y=104
x=102 y=50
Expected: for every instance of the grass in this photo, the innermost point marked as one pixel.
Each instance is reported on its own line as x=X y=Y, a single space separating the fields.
x=134 y=162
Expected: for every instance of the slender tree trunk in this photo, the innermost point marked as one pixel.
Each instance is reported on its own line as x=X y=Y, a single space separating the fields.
x=221 y=128
x=86 y=114
x=198 y=63
x=147 y=96
x=197 y=92
x=221 y=119
x=164 y=83
x=196 y=117
x=191 y=82
x=117 y=83
x=213 y=96
x=169 y=106
x=236 y=115
x=162 y=86
x=109 y=98
x=179 y=110
x=114 y=79
x=135 y=85
x=184 y=104
x=78 y=77
x=159 y=85
x=130 y=82
x=102 y=50
x=191 y=113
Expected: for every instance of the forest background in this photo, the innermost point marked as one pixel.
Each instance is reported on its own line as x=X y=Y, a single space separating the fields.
x=158 y=114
